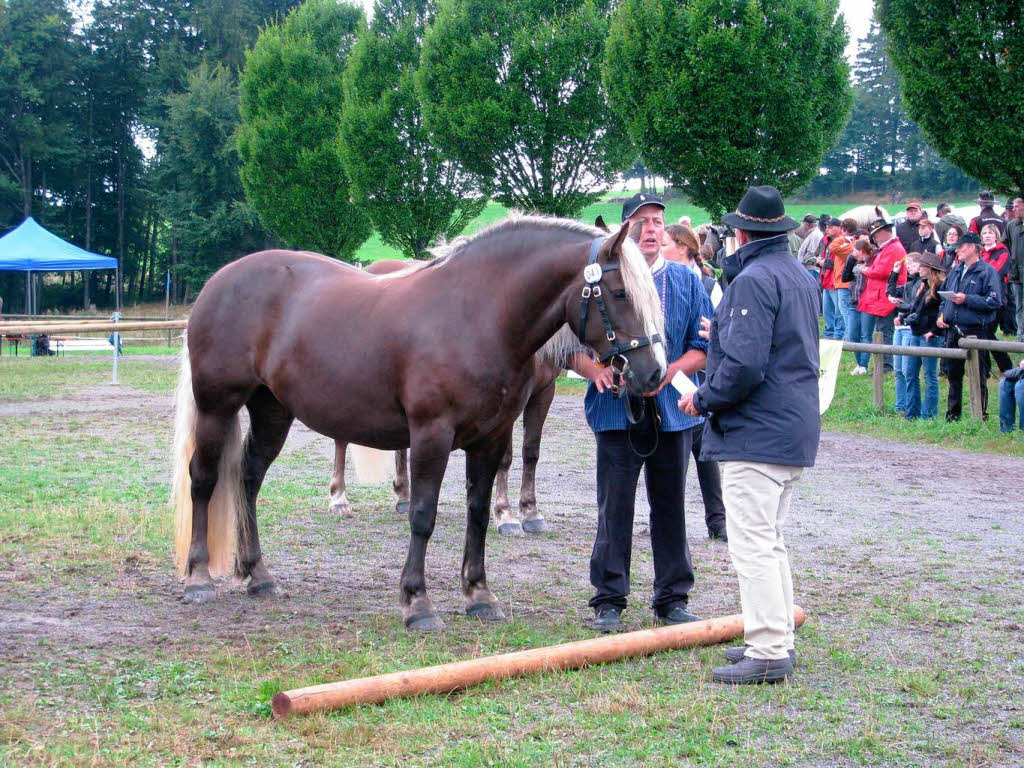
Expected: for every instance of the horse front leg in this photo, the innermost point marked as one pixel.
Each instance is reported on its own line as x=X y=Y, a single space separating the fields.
x=339 y=498
x=401 y=481
x=504 y=518
x=482 y=462
x=534 y=416
x=428 y=459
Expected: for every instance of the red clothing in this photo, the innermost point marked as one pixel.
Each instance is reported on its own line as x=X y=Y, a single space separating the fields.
x=999 y=259
x=873 y=298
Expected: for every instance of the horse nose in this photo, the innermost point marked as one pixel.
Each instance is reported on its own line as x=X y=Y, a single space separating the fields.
x=653 y=380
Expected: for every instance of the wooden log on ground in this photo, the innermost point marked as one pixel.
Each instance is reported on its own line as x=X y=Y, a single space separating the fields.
x=878 y=372
x=447 y=678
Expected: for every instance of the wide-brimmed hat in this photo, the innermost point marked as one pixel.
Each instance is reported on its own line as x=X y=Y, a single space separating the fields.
x=638 y=201
x=986 y=198
x=932 y=261
x=879 y=223
x=761 y=210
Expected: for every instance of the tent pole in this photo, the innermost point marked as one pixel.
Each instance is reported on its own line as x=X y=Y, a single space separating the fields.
x=28 y=293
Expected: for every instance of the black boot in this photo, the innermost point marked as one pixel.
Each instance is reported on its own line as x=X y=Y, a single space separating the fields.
x=735 y=655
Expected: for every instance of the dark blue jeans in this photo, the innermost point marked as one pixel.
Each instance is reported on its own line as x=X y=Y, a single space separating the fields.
x=1011 y=402
x=859 y=328
x=912 y=368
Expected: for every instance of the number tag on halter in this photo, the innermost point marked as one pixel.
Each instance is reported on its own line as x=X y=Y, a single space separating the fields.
x=592 y=273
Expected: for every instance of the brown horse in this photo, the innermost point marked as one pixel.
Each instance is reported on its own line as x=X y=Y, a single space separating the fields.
x=541 y=393
x=436 y=358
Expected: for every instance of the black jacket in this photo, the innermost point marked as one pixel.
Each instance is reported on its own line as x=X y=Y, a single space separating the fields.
x=762 y=385
x=981 y=285
x=923 y=312
x=907 y=233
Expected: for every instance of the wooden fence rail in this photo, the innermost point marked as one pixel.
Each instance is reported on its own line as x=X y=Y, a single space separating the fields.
x=970 y=349
x=10 y=329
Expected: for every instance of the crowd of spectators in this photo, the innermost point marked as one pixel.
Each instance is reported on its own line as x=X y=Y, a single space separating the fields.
x=925 y=283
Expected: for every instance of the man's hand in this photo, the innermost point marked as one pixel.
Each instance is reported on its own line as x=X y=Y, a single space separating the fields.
x=705 y=328
x=941 y=323
x=604 y=379
x=686 y=404
x=893 y=299
x=959 y=298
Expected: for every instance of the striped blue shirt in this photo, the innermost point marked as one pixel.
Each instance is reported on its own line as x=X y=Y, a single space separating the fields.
x=684 y=301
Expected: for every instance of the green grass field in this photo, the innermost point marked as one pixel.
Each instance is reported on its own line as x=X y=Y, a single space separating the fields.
x=102 y=665
x=374 y=249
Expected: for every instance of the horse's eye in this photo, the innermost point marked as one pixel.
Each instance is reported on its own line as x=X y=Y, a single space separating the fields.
x=619 y=294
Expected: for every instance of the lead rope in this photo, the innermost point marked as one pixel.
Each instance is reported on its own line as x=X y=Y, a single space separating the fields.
x=653 y=411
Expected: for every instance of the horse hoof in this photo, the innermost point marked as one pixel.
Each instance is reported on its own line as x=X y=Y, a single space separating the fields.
x=425 y=622
x=402 y=508
x=486 y=612
x=537 y=525
x=510 y=529
x=341 y=510
x=197 y=594
x=264 y=589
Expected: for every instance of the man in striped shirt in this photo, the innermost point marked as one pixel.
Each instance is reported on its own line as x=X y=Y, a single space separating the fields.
x=663 y=451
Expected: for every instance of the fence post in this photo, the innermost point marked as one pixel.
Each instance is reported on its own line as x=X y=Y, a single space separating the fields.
x=974 y=380
x=878 y=372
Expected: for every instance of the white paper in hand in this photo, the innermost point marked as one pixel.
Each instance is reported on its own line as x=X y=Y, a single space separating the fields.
x=683 y=383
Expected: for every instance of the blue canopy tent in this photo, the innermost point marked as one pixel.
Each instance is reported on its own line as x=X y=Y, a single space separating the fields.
x=31 y=249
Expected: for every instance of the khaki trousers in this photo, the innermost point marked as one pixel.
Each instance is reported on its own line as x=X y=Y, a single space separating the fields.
x=757 y=498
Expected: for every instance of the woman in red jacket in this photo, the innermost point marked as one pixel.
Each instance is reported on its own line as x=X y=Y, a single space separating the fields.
x=997 y=256
x=874 y=302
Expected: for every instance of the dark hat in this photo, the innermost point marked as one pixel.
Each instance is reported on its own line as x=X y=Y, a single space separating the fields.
x=968 y=238
x=810 y=218
x=639 y=200
x=933 y=261
x=834 y=222
x=877 y=224
x=986 y=198
x=761 y=210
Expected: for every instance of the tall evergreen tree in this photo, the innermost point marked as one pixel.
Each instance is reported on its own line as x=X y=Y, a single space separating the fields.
x=291 y=100
x=720 y=94
x=512 y=88
x=412 y=192
x=962 y=82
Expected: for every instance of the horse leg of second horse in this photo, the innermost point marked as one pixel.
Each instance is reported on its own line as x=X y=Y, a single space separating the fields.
x=428 y=459
x=481 y=466
x=269 y=422
x=339 y=498
x=504 y=518
x=401 y=481
x=534 y=416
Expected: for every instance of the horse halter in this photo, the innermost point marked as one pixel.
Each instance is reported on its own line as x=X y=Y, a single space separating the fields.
x=615 y=356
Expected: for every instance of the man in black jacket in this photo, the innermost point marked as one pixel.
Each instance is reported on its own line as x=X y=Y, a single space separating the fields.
x=906 y=230
x=972 y=307
x=761 y=396
x=1014 y=239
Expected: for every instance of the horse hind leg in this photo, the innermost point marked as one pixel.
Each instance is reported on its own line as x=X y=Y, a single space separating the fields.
x=269 y=422
x=534 y=416
x=504 y=517
x=401 y=482
x=339 y=497
x=214 y=472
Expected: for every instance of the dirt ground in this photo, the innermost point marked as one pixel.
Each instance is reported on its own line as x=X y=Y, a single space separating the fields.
x=912 y=554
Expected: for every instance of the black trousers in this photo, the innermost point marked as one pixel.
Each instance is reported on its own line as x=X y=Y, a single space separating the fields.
x=887 y=325
x=709 y=475
x=618 y=472
x=955 y=373
x=1001 y=359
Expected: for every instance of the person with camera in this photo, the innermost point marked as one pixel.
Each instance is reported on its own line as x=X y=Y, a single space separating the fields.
x=659 y=442
x=921 y=305
x=973 y=298
x=761 y=397
x=873 y=299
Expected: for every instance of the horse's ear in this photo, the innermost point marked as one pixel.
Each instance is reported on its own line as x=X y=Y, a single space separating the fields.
x=599 y=223
x=615 y=241
x=878 y=213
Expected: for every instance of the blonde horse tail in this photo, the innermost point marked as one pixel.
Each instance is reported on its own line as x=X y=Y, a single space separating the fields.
x=226 y=508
